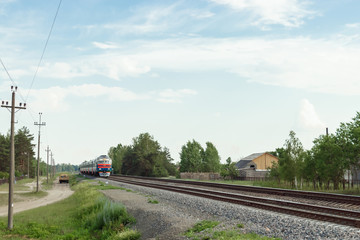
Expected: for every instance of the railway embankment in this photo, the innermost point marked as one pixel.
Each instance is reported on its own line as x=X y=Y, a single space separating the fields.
x=176 y=212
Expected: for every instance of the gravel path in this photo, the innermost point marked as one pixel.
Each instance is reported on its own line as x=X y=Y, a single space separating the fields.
x=176 y=213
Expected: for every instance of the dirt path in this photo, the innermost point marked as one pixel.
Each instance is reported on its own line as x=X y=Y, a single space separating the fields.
x=59 y=192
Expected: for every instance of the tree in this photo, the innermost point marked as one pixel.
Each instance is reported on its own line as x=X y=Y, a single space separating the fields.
x=4 y=153
x=291 y=163
x=229 y=169
x=348 y=136
x=211 y=159
x=145 y=157
x=117 y=155
x=329 y=164
x=24 y=149
x=191 y=156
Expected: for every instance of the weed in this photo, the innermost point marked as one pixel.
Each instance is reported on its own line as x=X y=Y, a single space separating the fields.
x=201 y=226
x=240 y=225
x=153 y=201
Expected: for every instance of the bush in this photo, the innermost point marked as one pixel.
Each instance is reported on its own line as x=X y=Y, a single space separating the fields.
x=4 y=175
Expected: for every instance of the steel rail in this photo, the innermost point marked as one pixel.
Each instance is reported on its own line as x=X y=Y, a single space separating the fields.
x=329 y=197
x=339 y=216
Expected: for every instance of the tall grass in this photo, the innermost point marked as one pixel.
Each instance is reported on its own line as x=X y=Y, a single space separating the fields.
x=87 y=214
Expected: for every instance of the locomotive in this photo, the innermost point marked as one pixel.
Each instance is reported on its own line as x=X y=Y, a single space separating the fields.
x=100 y=166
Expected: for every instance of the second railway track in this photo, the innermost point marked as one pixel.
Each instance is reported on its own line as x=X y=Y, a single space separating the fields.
x=335 y=215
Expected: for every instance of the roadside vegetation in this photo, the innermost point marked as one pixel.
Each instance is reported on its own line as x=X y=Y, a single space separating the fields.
x=206 y=230
x=86 y=214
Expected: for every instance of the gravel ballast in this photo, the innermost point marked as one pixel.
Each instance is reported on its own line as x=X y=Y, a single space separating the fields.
x=176 y=213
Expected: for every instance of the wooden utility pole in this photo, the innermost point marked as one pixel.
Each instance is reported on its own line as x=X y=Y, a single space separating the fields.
x=28 y=165
x=12 y=154
x=47 y=165
x=52 y=165
x=38 y=156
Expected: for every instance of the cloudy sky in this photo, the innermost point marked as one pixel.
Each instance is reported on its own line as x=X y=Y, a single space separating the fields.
x=238 y=73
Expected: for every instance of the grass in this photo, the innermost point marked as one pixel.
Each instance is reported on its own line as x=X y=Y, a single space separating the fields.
x=205 y=230
x=86 y=214
x=18 y=186
x=153 y=201
x=275 y=184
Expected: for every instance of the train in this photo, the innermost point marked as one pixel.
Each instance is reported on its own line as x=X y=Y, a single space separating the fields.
x=100 y=166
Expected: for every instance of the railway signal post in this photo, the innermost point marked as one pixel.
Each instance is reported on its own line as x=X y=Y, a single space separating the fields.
x=12 y=153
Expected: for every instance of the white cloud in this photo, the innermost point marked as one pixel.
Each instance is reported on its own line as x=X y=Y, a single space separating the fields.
x=317 y=65
x=352 y=25
x=107 y=45
x=308 y=116
x=174 y=96
x=108 y=65
x=290 y=13
x=54 y=99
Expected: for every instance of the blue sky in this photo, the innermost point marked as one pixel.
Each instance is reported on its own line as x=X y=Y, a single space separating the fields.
x=238 y=73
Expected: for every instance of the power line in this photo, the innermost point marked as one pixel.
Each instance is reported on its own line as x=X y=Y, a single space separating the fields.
x=43 y=52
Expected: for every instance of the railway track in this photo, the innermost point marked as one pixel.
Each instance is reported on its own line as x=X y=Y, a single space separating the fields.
x=335 y=215
x=328 y=197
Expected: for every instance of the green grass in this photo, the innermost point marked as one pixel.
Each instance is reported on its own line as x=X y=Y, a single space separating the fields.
x=18 y=186
x=206 y=230
x=86 y=214
x=201 y=226
x=153 y=201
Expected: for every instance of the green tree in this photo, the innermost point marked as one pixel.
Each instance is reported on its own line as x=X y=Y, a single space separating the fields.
x=146 y=158
x=348 y=136
x=229 y=170
x=329 y=164
x=4 y=153
x=292 y=162
x=211 y=159
x=117 y=155
x=191 y=157
x=24 y=149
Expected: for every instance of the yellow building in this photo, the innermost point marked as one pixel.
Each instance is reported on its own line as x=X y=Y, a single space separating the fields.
x=256 y=164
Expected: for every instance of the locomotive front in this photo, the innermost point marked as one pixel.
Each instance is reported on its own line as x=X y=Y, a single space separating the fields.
x=103 y=166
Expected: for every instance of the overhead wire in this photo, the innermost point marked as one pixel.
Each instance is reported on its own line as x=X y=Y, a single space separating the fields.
x=43 y=52
x=38 y=66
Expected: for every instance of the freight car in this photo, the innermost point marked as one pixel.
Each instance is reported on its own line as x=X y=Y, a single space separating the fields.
x=100 y=166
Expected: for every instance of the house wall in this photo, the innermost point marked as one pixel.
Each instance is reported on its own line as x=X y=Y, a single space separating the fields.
x=265 y=161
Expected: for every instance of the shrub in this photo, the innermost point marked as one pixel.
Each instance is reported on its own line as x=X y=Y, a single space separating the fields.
x=127 y=235
x=4 y=175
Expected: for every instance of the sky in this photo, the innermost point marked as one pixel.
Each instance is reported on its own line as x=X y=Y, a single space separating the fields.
x=238 y=73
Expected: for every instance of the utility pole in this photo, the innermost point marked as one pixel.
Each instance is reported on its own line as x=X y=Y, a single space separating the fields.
x=52 y=165
x=47 y=165
x=28 y=165
x=12 y=153
x=38 y=156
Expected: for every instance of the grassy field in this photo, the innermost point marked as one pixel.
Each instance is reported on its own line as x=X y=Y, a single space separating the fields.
x=19 y=186
x=87 y=214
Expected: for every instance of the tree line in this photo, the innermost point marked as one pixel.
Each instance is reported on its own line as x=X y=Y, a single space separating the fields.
x=146 y=157
x=24 y=156
x=326 y=164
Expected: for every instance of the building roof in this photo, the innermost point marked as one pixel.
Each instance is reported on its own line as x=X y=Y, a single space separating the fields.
x=242 y=164
x=246 y=160
x=253 y=156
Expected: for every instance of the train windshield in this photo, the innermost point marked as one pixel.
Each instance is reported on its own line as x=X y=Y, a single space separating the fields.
x=106 y=162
